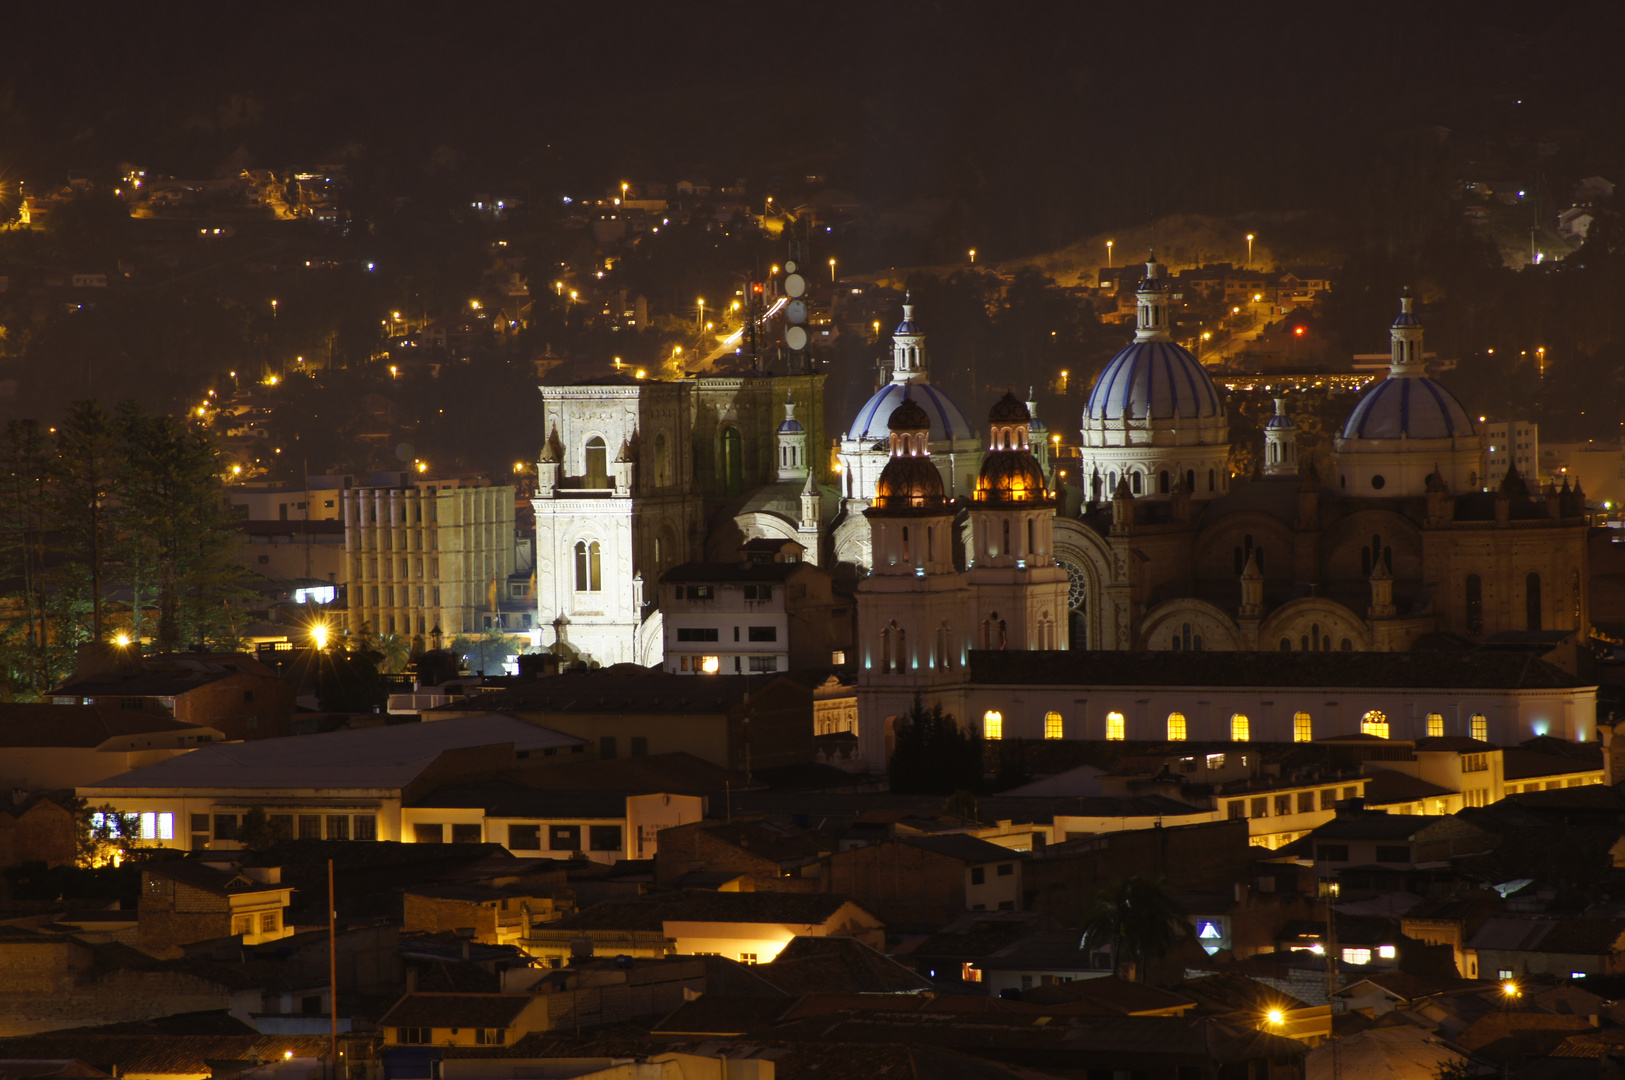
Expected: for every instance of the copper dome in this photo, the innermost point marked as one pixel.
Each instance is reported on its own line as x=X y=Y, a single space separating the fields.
x=908 y=416
x=1009 y=410
x=1010 y=476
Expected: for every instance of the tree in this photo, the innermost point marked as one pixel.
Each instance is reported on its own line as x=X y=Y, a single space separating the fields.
x=1137 y=919
x=22 y=537
x=933 y=755
x=83 y=475
x=963 y=804
x=102 y=835
x=258 y=832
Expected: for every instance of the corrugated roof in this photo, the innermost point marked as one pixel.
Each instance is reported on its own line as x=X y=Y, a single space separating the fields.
x=1331 y=670
x=386 y=758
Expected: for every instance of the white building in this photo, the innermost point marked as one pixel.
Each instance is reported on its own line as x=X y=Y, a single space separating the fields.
x=1511 y=444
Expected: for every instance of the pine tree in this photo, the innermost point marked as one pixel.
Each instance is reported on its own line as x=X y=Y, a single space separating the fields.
x=933 y=754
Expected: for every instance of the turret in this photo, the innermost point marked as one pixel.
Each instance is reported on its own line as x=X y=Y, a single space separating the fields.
x=810 y=525
x=1122 y=508
x=792 y=438
x=1441 y=507
x=1252 y=589
x=1151 y=307
x=548 y=465
x=1382 y=592
x=624 y=469
x=1280 y=443
x=1405 y=341
x=908 y=347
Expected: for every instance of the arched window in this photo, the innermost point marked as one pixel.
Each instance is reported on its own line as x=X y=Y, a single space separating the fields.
x=1479 y=727
x=597 y=463
x=1475 y=604
x=886 y=642
x=1303 y=729
x=1177 y=731
x=1053 y=727
x=1346 y=645
x=662 y=461
x=1210 y=479
x=733 y=461
x=588 y=577
x=993 y=724
x=1435 y=725
x=1531 y=601
x=1374 y=723
x=1032 y=541
x=1005 y=550
x=1114 y=726
x=1134 y=481
x=1185 y=633
x=1165 y=482
x=1190 y=481
x=1286 y=644
x=1240 y=728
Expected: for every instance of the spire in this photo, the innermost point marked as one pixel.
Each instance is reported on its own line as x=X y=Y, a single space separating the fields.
x=1152 y=295
x=1405 y=341
x=908 y=347
x=1280 y=443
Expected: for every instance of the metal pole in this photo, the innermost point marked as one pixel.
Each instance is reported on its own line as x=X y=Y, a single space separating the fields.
x=333 y=966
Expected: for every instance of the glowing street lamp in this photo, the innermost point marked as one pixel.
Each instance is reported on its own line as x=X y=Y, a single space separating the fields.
x=318 y=635
x=832 y=269
x=1275 y=1016
x=1249 y=251
x=973 y=256
x=122 y=640
x=1109 y=244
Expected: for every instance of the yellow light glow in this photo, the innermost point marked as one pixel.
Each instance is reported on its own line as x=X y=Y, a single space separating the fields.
x=318 y=634
x=121 y=640
x=519 y=466
x=423 y=466
x=1509 y=988
x=236 y=469
x=1276 y=1016
x=642 y=374
x=710 y=664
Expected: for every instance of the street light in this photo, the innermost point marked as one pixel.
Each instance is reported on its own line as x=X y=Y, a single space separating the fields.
x=832 y=269
x=1249 y=251
x=973 y=256
x=1109 y=244
x=701 y=319
x=1275 y=1016
x=1510 y=989
x=318 y=635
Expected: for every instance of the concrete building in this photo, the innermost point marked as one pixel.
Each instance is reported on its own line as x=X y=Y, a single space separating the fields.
x=426 y=554
x=927 y=880
x=768 y=612
x=1511 y=444
x=44 y=746
x=189 y=900
x=219 y=693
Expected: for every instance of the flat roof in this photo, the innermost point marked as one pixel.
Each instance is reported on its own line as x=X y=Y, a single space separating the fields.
x=366 y=758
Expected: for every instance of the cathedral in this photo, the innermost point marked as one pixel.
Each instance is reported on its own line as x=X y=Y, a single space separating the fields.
x=963 y=538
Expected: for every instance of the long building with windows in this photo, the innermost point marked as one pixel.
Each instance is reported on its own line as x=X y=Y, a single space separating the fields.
x=427 y=555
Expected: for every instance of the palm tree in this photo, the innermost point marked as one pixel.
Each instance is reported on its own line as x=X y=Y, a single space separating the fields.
x=1138 y=919
x=397 y=650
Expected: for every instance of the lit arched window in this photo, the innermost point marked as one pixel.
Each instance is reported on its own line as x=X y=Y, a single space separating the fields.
x=1374 y=723
x=588 y=577
x=1435 y=725
x=1176 y=727
x=1114 y=726
x=1052 y=725
x=1303 y=729
x=993 y=724
x=1240 y=728
x=1480 y=727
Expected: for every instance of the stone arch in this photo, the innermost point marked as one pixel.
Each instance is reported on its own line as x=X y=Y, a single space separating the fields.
x=1324 y=618
x=1087 y=560
x=1346 y=558
x=1216 y=548
x=1164 y=622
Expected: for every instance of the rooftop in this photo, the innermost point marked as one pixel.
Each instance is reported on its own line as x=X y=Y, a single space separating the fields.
x=85 y=726
x=386 y=758
x=456 y=1010
x=627 y=688
x=967 y=849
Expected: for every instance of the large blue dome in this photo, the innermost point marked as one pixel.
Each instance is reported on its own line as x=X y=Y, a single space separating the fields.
x=1154 y=380
x=946 y=419
x=1414 y=408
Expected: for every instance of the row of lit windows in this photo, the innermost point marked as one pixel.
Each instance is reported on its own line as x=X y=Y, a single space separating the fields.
x=1374 y=722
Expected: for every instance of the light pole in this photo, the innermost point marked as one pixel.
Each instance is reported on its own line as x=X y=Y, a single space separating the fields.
x=832 y=270
x=1249 y=251
x=700 y=321
x=973 y=256
x=1109 y=244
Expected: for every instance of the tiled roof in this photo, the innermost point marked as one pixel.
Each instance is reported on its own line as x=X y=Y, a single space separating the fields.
x=1583 y=937
x=650 y=692
x=168 y=676
x=1387 y=786
x=1118 y=995
x=724 y=1014
x=159 y=1054
x=653 y=912
x=456 y=1010
x=200 y=875
x=731 y=572
x=1372 y=825
x=1520 y=764
x=1433 y=670
x=970 y=850
x=83 y=726
x=809 y=965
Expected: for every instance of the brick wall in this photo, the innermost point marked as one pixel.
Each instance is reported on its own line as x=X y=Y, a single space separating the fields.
x=435 y=913
x=115 y=997
x=1192 y=858
x=173 y=913
x=44 y=832
x=901 y=884
x=692 y=847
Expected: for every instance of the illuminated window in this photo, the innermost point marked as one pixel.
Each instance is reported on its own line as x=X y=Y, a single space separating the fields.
x=1480 y=727
x=1356 y=956
x=1435 y=725
x=1114 y=725
x=589 y=576
x=1387 y=952
x=1176 y=727
x=1240 y=728
x=993 y=724
x=1302 y=727
x=1052 y=725
x=1374 y=723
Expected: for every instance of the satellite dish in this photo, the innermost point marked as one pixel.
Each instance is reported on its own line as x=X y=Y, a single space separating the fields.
x=796 y=338
x=404 y=451
x=795 y=285
x=790 y=266
x=796 y=311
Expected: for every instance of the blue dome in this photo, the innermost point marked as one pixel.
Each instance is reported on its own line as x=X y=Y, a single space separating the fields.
x=791 y=427
x=946 y=419
x=1408 y=318
x=1155 y=380
x=1416 y=408
x=1277 y=422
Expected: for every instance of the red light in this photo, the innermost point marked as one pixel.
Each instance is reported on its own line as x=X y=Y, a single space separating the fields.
x=1299 y=331
x=757 y=287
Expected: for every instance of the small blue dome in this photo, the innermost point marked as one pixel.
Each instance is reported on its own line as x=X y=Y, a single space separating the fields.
x=1408 y=318
x=1415 y=408
x=873 y=419
x=1277 y=422
x=1155 y=380
x=791 y=427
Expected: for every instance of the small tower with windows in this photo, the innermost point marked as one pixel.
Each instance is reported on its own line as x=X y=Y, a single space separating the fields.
x=792 y=438
x=1280 y=443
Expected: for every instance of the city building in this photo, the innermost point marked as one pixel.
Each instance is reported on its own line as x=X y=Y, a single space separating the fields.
x=45 y=746
x=1511 y=444
x=426 y=556
x=768 y=611
x=217 y=693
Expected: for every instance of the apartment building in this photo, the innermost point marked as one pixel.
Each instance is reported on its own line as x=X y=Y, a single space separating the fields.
x=426 y=554
x=1511 y=444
